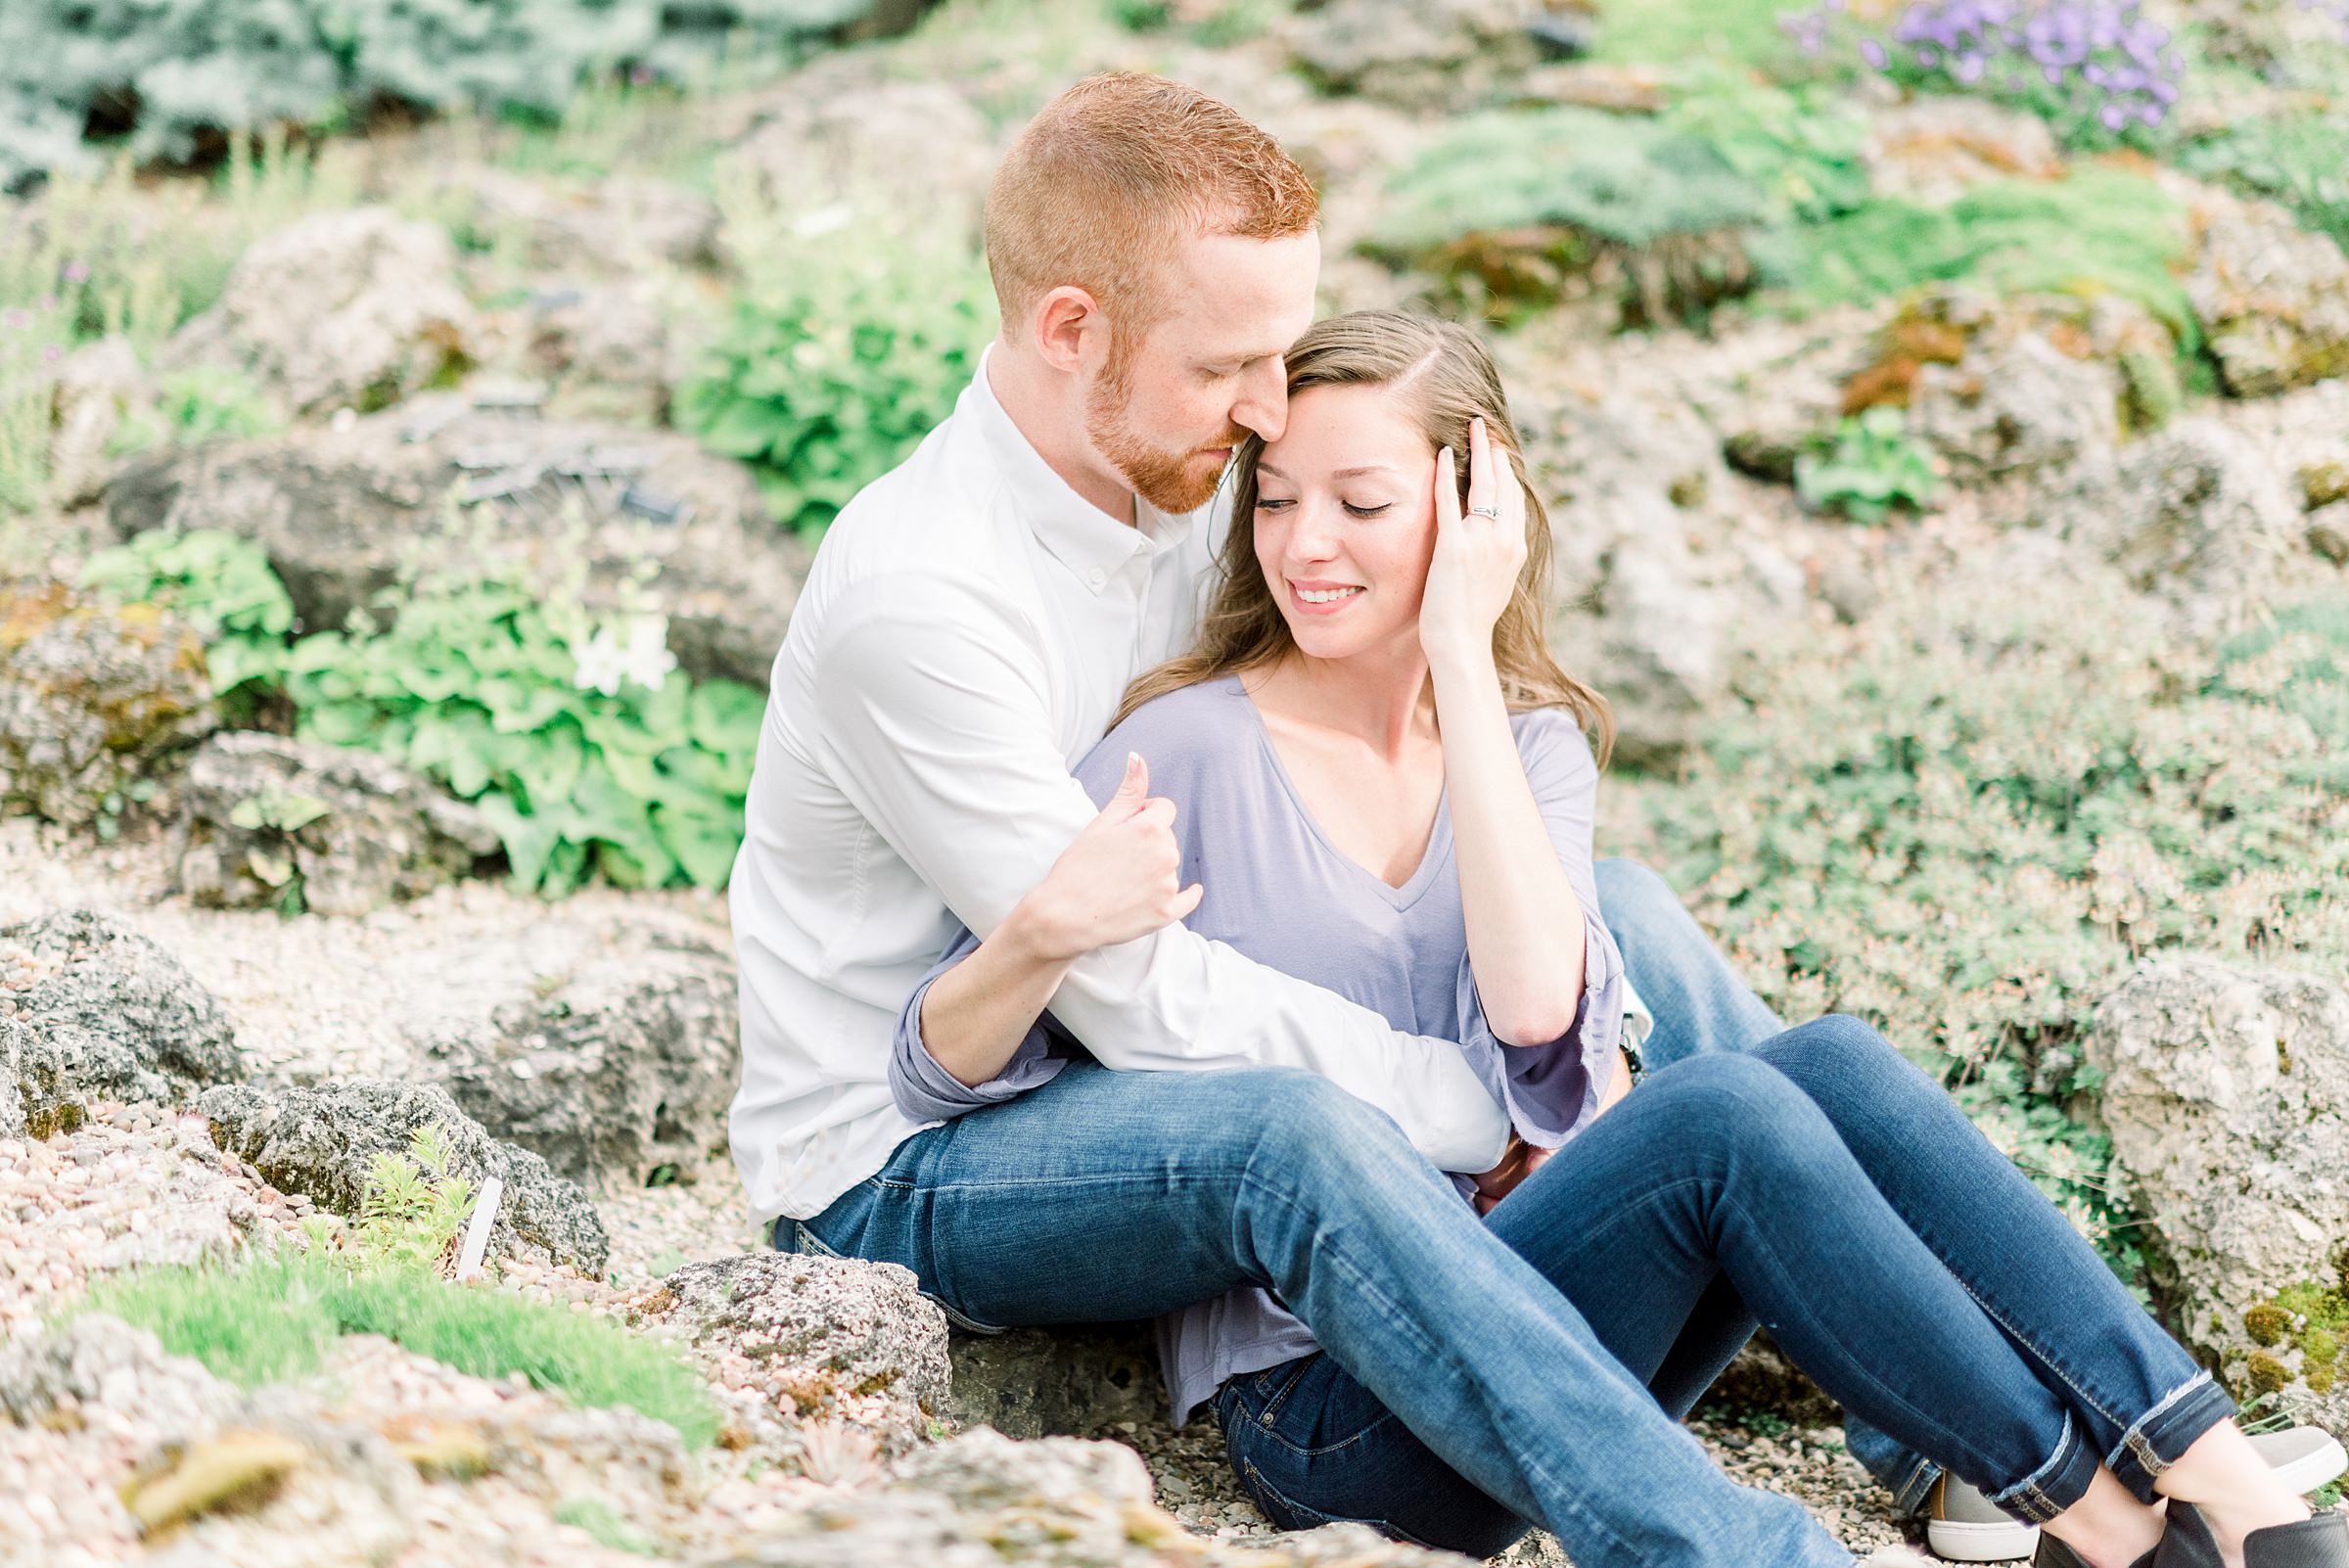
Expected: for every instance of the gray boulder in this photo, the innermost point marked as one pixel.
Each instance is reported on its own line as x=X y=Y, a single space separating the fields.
x=323 y=1143
x=832 y=136
x=611 y=1047
x=101 y=1012
x=617 y=224
x=2020 y=405
x=2226 y=1095
x=2272 y=297
x=2194 y=513
x=363 y=830
x=1073 y=1381
x=341 y=512
x=90 y=696
x=838 y=1340
x=359 y=308
x=1442 y=57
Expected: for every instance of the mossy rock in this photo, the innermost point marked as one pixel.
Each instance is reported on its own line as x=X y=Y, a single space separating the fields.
x=91 y=696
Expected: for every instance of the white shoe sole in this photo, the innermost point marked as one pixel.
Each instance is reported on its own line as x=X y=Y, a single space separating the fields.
x=2313 y=1469
x=1981 y=1542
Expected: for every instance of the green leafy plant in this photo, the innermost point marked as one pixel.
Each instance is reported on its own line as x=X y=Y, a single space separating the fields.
x=2095 y=231
x=414 y=1206
x=1867 y=468
x=848 y=343
x=219 y=584
x=569 y=730
x=203 y=402
x=2301 y=160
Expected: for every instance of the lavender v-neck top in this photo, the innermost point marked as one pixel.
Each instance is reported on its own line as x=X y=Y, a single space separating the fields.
x=1281 y=891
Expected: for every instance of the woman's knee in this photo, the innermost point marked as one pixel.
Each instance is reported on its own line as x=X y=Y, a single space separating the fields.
x=1729 y=1101
x=1837 y=1049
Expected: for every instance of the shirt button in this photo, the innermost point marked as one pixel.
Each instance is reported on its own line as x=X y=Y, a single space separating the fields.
x=1095 y=578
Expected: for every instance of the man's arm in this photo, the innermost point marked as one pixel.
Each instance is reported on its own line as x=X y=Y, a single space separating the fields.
x=935 y=722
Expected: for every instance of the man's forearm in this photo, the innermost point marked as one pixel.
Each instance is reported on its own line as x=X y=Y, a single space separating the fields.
x=975 y=1015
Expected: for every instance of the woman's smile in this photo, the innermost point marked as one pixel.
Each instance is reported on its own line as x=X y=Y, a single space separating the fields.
x=1318 y=598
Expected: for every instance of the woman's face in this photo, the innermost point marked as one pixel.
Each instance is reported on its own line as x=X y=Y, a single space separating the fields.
x=1346 y=520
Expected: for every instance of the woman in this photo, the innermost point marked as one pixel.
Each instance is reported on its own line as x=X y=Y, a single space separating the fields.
x=1379 y=781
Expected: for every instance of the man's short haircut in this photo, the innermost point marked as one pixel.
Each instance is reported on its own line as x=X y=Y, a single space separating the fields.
x=1111 y=174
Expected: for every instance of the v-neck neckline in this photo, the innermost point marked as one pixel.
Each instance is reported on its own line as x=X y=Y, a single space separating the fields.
x=1439 y=836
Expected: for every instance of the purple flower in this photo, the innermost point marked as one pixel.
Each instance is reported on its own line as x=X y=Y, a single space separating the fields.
x=77 y=272
x=17 y=320
x=1874 y=53
x=53 y=353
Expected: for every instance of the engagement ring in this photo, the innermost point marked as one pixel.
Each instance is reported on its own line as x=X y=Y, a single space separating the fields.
x=1492 y=511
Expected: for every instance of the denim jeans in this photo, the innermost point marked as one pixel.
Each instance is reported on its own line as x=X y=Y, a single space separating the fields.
x=1702 y=1004
x=1110 y=1195
x=1823 y=1183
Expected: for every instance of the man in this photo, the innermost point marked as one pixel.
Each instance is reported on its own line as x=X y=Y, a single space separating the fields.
x=964 y=636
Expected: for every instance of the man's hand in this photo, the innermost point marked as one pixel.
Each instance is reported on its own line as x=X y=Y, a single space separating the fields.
x=1116 y=881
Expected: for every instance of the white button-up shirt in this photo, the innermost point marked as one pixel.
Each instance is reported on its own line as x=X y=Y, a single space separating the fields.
x=965 y=635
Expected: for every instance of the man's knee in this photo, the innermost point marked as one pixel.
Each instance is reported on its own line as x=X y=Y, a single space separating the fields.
x=1729 y=1101
x=1836 y=1044
x=1633 y=895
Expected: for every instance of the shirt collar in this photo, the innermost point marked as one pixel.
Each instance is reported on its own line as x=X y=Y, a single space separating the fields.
x=1086 y=540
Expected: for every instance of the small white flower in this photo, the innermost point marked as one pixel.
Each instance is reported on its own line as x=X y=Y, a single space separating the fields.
x=603 y=662
x=823 y=220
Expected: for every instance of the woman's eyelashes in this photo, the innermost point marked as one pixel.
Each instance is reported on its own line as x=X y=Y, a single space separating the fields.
x=1269 y=503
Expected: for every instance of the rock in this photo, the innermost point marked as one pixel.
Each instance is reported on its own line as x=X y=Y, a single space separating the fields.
x=90 y=696
x=2272 y=297
x=921 y=140
x=2018 y=407
x=983 y=1499
x=96 y=387
x=2194 y=513
x=364 y=830
x=618 y=222
x=837 y=1339
x=341 y=511
x=1932 y=150
x=359 y=308
x=1444 y=57
x=1078 y=1380
x=611 y=351
x=107 y=1015
x=323 y=1141
x=92 y=1361
x=2324 y=482
x=2214 y=1070
x=612 y=1049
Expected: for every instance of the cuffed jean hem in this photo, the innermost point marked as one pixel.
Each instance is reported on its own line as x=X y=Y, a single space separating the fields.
x=2155 y=1440
x=2055 y=1485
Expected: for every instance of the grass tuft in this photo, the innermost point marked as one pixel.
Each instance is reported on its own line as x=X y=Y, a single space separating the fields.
x=273 y=1319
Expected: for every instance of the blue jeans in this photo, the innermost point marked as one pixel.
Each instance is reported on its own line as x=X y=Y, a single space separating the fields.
x=1824 y=1184
x=1702 y=1004
x=1108 y=1195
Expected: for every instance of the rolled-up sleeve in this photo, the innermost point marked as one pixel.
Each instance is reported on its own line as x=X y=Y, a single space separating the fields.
x=927 y=1091
x=1549 y=1091
x=1552 y=1090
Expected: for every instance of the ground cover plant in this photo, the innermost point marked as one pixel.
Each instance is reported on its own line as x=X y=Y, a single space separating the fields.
x=275 y=1319
x=1964 y=818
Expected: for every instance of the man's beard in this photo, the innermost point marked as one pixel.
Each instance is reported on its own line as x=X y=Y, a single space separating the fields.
x=1172 y=482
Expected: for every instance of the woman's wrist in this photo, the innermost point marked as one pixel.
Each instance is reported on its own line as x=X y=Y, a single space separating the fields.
x=1448 y=664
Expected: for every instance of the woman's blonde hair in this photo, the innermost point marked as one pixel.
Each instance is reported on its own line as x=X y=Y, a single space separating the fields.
x=1446 y=379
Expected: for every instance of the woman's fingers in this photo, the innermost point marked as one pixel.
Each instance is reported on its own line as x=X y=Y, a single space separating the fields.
x=1448 y=492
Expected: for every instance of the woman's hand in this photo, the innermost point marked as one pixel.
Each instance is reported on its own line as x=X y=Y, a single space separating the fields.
x=1118 y=880
x=1517 y=1162
x=1477 y=557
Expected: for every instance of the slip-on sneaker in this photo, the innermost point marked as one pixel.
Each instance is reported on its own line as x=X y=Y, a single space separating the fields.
x=2317 y=1541
x=1962 y=1526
